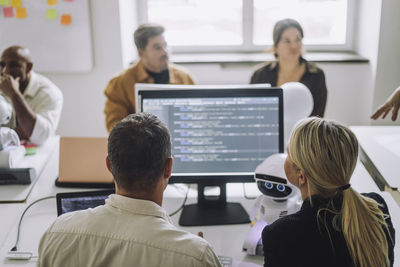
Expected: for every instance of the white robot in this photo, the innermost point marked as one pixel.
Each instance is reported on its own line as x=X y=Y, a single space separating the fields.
x=11 y=150
x=7 y=136
x=280 y=198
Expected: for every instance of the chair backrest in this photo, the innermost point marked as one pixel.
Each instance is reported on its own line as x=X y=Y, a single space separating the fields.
x=83 y=160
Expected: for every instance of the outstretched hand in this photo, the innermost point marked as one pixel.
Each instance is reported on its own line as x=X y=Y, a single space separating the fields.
x=392 y=103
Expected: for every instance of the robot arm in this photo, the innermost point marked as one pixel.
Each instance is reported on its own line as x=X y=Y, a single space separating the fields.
x=7 y=135
x=5 y=111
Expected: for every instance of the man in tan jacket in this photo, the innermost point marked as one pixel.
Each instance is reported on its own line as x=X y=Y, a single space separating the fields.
x=153 y=67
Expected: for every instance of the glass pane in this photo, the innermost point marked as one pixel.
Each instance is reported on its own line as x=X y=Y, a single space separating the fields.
x=198 y=22
x=323 y=21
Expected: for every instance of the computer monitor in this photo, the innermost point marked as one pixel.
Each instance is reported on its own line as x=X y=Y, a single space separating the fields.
x=219 y=135
x=73 y=201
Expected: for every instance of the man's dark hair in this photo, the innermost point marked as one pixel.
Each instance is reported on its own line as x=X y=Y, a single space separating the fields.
x=144 y=32
x=138 y=147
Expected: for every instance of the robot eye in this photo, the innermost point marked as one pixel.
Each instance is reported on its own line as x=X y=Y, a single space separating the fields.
x=280 y=187
x=269 y=185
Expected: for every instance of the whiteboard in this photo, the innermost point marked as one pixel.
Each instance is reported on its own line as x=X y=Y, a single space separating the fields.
x=54 y=47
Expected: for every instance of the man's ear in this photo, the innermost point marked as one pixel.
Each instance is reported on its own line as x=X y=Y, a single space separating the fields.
x=29 y=67
x=168 y=168
x=140 y=52
x=109 y=169
x=108 y=164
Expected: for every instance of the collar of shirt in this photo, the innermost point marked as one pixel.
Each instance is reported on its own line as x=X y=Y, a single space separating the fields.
x=31 y=89
x=137 y=206
x=310 y=67
x=160 y=77
x=144 y=77
x=319 y=202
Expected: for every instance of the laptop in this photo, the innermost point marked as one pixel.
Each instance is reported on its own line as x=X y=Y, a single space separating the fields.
x=83 y=163
x=73 y=201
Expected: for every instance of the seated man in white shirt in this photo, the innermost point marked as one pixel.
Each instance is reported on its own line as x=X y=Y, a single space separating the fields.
x=131 y=229
x=36 y=101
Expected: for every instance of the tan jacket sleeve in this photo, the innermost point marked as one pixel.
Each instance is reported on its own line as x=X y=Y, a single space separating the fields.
x=187 y=79
x=180 y=75
x=120 y=94
x=117 y=104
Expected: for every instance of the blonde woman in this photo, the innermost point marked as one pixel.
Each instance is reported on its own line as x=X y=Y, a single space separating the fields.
x=336 y=226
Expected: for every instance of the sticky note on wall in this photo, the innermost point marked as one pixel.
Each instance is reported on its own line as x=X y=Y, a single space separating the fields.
x=20 y=13
x=15 y=3
x=51 y=13
x=8 y=12
x=4 y=2
x=52 y=2
x=66 y=19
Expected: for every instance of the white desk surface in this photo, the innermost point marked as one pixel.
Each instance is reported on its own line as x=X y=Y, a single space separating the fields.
x=227 y=240
x=19 y=193
x=382 y=145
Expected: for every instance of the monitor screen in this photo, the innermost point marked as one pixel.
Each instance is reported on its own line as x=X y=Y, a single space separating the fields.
x=217 y=133
x=73 y=201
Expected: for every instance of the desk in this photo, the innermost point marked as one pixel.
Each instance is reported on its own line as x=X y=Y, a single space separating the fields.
x=45 y=168
x=19 y=193
x=226 y=240
x=380 y=153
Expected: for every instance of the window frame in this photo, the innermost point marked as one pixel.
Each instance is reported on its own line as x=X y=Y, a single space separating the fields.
x=247 y=26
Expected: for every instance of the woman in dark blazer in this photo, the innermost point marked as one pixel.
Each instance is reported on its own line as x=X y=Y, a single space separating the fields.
x=291 y=66
x=336 y=226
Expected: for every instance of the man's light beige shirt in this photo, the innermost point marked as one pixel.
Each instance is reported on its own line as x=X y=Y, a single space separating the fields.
x=123 y=232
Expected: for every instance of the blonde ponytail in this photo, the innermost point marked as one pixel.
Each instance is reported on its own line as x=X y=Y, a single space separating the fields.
x=362 y=222
x=327 y=152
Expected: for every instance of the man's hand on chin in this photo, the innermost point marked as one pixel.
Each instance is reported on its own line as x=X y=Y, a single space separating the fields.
x=9 y=85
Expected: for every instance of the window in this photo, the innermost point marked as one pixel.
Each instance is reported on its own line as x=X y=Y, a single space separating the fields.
x=247 y=25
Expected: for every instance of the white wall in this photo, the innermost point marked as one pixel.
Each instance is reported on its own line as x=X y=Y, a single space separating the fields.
x=348 y=92
x=346 y=84
x=350 y=85
x=129 y=22
x=367 y=31
x=83 y=92
x=388 y=62
x=367 y=44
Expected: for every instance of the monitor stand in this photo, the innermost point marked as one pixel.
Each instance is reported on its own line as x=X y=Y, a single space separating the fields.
x=213 y=210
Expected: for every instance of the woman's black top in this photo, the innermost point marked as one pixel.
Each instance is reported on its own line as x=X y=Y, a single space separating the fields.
x=313 y=78
x=299 y=240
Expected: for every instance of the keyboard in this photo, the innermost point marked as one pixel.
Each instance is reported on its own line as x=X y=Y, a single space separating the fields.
x=17 y=176
x=225 y=261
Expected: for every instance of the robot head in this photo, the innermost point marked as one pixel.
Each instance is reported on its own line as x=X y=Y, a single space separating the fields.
x=271 y=178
